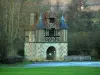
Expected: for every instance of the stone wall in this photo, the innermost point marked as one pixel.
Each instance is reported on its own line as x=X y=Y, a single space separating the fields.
x=37 y=51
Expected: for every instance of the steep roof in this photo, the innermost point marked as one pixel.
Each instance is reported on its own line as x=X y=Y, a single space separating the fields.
x=59 y=24
x=40 y=23
x=63 y=25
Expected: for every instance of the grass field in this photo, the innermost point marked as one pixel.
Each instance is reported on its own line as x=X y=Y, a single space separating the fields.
x=51 y=71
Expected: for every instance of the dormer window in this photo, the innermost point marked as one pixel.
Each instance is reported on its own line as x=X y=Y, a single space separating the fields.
x=52 y=20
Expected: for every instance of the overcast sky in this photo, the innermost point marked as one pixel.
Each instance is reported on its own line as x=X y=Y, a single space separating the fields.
x=67 y=1
x=94 y=1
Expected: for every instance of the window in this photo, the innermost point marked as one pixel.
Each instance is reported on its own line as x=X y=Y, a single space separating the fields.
x=52 y=35
x=52 y=20
x=29 y=36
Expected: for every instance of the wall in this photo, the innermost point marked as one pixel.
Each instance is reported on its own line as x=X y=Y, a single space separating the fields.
x=37 y=51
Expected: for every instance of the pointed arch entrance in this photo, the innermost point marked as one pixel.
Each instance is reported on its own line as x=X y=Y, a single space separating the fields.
x=51 y=53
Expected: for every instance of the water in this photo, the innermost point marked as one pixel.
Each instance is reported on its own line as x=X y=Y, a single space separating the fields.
x=58 y=64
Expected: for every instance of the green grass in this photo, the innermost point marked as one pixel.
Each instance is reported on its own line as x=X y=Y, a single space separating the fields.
x=51 y=71
x=21 y=64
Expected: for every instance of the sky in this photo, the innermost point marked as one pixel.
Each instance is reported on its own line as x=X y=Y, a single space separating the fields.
x=92 y=2
x=67 y=1
x=61 y=1
x=89 y=2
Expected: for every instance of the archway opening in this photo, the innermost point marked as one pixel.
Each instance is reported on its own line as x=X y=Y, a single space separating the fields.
x=51 y=53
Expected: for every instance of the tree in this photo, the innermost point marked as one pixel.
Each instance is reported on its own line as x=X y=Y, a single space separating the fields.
x=10 y=22
x=3 y=43
x=75 y=18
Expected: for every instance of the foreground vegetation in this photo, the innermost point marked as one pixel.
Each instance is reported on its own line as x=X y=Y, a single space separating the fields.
x=51 y=71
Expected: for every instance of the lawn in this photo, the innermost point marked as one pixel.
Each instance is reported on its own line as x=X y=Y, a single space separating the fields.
x=51 y=71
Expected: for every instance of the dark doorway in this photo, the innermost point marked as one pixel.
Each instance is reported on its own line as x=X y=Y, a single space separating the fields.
x=51 y=53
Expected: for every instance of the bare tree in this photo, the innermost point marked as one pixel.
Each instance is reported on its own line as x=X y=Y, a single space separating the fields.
x=12 y=23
